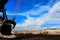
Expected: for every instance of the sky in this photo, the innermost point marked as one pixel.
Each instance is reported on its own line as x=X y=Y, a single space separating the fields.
x=34 y=14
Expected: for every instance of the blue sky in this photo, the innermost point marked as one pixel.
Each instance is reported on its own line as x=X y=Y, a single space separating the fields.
x=35 y=14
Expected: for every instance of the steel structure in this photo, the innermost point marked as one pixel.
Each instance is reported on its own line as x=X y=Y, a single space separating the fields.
x=6 y=24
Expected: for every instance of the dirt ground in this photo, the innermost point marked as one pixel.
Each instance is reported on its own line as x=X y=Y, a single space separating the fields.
x=33 y=37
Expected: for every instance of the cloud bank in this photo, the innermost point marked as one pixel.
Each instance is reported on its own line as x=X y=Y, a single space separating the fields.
x=50 y=15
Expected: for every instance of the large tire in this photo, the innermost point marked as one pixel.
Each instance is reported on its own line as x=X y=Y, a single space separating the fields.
x=6 y=29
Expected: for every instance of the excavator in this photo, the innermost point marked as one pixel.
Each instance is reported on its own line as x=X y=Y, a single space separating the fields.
x=6 y=25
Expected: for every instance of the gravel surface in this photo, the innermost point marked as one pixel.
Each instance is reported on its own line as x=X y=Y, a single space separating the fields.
x=32 y=37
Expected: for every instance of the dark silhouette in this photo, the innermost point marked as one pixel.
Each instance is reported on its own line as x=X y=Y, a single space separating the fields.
x=2 y=9
x=6 y=24
x=2 y=3
x=6 y=28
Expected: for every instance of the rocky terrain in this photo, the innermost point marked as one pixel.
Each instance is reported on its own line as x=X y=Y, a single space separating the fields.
x=33 y=37
x=30 y=35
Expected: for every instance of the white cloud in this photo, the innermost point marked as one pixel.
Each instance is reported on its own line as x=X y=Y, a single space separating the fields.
x=54 y=10
x=35 y=23
x=55 y=27
x=37 y=10
x=55 y=14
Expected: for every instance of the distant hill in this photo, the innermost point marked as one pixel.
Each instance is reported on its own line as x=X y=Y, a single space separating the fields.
x=52 y=29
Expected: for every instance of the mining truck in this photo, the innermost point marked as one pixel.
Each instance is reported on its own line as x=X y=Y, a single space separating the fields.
x=6 y=25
